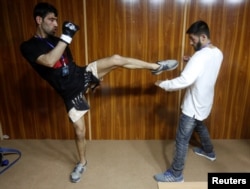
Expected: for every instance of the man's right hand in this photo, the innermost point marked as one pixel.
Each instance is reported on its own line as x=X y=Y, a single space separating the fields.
x=68 y=31
x=186 y=58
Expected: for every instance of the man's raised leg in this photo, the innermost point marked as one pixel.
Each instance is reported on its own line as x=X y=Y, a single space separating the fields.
x=106 y=65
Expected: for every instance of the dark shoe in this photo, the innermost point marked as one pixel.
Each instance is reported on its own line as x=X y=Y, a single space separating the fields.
x=200 y=152
x=168 y=176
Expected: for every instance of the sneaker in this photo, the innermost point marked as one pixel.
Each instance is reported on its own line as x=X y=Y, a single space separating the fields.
x=168 y=177
x=200 y=152
x=165 y=65
x=76 y=174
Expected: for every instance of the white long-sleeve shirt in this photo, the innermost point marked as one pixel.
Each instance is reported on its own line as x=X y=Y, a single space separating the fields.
x=199 y=77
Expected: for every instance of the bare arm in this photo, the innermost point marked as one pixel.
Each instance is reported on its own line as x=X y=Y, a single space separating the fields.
x=50 y=58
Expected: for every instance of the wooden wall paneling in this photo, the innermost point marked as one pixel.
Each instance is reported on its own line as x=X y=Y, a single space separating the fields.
x=240 y=74
x=128 y=105
x=9 y=72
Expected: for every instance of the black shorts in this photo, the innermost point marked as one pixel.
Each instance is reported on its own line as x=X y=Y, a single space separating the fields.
x=79 y=102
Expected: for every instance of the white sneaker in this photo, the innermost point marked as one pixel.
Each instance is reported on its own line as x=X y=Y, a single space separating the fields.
x=76 y=174
x=165 y=65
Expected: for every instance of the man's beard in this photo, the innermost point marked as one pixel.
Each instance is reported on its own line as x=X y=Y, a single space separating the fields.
x=198 y=46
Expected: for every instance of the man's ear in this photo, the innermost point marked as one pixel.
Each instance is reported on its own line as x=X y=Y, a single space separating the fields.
x=203 y=37
x=39 y=19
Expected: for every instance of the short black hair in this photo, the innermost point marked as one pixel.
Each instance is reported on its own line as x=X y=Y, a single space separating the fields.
x=42 y=9
x=198 y=28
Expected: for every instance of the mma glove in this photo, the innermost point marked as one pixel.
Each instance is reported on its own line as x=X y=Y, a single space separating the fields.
x=68 y=31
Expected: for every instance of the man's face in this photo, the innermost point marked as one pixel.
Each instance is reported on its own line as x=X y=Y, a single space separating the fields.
x=195 y=41
x=49 y=24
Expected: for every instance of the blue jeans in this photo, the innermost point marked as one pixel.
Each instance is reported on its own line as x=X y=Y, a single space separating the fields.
x=184 y=132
